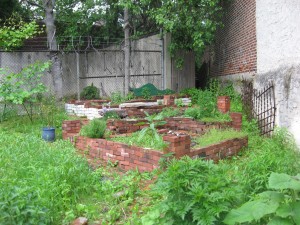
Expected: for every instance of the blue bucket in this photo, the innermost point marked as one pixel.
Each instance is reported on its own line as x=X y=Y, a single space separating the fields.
x=48 y=134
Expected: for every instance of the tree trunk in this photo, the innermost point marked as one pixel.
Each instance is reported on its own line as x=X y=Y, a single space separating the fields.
x=56 y=69
x=127 y=51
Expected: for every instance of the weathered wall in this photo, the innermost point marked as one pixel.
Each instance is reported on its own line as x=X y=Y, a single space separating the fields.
x=278 y=58
x=278 y=52
x=278 y=34
x=287 y=96
x=234 y=51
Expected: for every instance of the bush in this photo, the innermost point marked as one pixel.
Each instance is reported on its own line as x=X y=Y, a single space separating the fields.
x=193 y=192
x=90 y=92
x=94 y=129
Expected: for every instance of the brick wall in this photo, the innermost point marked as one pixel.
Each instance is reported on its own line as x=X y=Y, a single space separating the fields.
x=220 y=150
x=173 y=123
x=235 y=49
x=198 y=127
x=132 y=157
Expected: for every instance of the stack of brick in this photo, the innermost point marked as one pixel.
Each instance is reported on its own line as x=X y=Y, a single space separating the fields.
x=72 y=127
x=220 y=150
x=125 y=126
x=189 y=124
x=180 y=144
x=223 y=104
x=169 y=100
x=236 y=120
x=127 y=157
x=140 y=111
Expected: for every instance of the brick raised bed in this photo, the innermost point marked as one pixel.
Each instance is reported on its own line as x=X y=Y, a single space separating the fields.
x=131 y=157
x=174 y=123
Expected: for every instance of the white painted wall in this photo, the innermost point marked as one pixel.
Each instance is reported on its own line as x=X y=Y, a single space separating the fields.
x=278 y=58
x=278 y=33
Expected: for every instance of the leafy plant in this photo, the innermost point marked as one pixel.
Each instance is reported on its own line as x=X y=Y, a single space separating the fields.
x=192 y=192
x=151 y=131
x=15 y=31
x=129 y=96
x=94 y=129
x=24 y=88
x=116 y=98
x=90 y=92
x=179 y=102
x=146 y=93
x=49 y=109
x=280 y=205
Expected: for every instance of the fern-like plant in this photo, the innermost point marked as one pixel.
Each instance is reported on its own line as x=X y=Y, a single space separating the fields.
x=192 y=191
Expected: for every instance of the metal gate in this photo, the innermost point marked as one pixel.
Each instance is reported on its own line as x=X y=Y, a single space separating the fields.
x=260 y=105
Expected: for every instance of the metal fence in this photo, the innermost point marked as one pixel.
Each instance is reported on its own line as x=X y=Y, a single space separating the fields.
x=260 y=105
x=86 y=61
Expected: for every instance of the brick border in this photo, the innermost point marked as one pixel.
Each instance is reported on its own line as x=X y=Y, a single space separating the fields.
x=132 y=157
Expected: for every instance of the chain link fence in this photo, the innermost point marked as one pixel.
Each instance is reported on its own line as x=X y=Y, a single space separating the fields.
x=85 y=62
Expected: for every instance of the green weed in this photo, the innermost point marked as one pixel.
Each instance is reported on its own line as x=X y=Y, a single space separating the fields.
x=192 y=192
x=40 y=181
x=214 y=136
x=148 y=140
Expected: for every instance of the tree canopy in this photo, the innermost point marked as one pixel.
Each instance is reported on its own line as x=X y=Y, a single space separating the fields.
x=192 y=23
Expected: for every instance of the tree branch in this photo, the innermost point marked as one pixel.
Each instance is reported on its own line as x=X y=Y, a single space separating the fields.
x=34 y=4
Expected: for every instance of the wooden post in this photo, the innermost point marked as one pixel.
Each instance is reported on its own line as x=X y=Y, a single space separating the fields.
x=127 y=51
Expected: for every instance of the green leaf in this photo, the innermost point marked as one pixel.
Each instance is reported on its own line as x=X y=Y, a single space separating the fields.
x=250 y=211
x=296 y=212
x=283 y=181
x=272 y=195
x=284 y=210
x=280 y=221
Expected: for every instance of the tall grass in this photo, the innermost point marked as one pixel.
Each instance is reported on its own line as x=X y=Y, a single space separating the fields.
x=39 y=181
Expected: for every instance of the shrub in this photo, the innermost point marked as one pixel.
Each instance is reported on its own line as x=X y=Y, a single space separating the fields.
x=90 y=92
x=25 y=87
x=193 y=192
x=94 y=129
